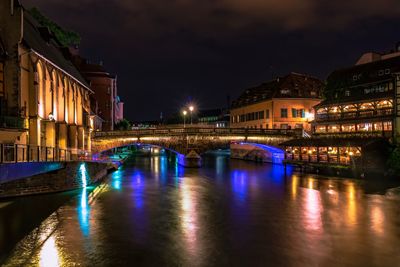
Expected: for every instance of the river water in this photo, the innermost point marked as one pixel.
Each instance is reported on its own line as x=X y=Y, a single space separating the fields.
x=152 y=212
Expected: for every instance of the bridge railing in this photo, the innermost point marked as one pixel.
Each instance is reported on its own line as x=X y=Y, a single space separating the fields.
x=201 y=131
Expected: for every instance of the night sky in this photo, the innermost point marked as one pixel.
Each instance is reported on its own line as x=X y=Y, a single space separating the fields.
x=166 y=52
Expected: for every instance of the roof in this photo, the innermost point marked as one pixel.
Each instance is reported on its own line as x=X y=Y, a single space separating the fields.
x=326 y=142
x=293 y=85
x=356 y=78
x=354 y=99
x=45 y=44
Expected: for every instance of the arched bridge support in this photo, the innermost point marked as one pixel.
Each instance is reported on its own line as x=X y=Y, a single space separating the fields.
x=257 y=152
x=190 y=143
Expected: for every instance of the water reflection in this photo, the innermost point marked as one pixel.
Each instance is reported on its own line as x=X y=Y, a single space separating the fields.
x=377 y=219
x=116 y=179
x=312 y=209
x=228 y=213
x=351 y=205
x=295 y=185
x=239 y=180
x=84 y=213
x=138 y=185
x=49 y=256
x=188 y=215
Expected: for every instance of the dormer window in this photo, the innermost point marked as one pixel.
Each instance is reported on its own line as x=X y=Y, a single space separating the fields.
x=285 y=91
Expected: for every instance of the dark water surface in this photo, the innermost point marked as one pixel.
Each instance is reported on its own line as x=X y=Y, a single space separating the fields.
x=152 y=212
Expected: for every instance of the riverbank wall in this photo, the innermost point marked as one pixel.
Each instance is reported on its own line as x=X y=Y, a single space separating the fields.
x=72 y=175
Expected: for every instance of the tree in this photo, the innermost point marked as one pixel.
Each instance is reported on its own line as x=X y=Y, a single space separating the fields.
x=123 y=125
x=65 y=37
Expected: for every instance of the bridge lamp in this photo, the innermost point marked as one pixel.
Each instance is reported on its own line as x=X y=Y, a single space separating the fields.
x=191 y=108
x=184 y=118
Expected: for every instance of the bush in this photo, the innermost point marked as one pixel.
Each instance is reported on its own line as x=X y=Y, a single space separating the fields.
x=394 y=160
x=123 y=125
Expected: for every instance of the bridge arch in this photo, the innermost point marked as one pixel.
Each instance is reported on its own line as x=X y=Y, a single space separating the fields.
x=259 y=144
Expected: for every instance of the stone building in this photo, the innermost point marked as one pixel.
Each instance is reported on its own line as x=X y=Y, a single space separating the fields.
x=104 y=86
x=362 y=100
x=44 y=100
x=283 y=103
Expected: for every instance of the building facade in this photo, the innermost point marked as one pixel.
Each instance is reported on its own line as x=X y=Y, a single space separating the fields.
x=284 y=103
x=362 y=99
x=104 y=86
x=218 y=118
x=44 y=101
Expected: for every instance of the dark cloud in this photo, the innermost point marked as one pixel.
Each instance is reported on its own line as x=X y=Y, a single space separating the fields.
x=165 y=52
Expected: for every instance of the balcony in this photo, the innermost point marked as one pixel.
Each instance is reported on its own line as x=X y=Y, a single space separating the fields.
x=7 y=122
x=354 y=115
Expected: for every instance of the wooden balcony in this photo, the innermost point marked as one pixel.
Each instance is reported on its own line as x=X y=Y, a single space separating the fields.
x=361 y=114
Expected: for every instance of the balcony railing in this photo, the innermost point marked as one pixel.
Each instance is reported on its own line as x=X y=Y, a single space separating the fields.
x=8 y=122
x=360 y=134
x=354 y=114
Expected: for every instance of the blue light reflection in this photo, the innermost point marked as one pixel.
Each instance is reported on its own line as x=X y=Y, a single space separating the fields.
x=84 y=212
x=138 y=185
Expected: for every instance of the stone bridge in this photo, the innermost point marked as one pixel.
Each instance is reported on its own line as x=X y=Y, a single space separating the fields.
x=190 y=142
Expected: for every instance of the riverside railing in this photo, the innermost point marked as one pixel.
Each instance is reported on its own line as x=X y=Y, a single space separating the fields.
x=13 y=153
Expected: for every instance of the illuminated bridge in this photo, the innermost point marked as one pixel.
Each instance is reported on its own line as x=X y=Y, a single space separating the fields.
x=191 y=142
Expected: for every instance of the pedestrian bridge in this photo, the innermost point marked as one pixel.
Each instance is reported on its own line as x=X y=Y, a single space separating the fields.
x=190 y=142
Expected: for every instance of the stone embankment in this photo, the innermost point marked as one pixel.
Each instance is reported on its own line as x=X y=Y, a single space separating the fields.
x=71 y=175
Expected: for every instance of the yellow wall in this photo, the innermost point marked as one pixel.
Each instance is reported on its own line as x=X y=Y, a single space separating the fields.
x=275 y=120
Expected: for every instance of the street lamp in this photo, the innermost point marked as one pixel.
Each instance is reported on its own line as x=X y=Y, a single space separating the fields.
x=184 y=118
x=191 y=108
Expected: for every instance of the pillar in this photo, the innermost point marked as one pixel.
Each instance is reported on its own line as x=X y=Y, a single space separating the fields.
x=34 y=138
x=62 y=140
x=50 y=134
x=73 y=141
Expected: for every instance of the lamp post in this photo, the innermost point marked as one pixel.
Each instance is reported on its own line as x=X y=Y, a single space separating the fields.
x=191 y=108
x=184 y=118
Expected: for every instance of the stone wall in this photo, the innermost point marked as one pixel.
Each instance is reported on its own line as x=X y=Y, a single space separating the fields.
x=74 y=175
x=14 y=171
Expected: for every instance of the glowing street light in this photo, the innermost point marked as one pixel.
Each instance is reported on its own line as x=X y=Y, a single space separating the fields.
x=191 y=108
x=184 y=118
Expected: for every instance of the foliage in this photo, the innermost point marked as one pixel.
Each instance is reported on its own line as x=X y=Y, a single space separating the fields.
x=394 y=160
x=65 y=37
x=123 y=125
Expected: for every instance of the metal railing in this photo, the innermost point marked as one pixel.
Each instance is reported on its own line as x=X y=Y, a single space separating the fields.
x=361 y=134
x=12 y=122
x=13 y=153
x=201 y=131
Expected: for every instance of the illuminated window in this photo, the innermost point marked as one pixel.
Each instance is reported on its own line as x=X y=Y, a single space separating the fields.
x=348 y=128
x=284 y=113
x=320 y=129
x=298 y=113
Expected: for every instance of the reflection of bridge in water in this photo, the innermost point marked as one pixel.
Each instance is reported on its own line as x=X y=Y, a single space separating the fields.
x=189 y=143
